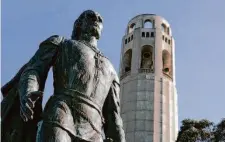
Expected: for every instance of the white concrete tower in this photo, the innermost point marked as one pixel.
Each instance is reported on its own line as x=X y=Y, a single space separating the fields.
x=147 y=77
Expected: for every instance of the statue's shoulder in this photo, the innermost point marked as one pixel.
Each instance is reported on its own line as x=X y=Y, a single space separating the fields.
x=53 y=40
x=113 y=71
x=116 y=77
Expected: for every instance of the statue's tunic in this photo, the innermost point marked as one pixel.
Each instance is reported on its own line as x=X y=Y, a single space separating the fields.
x=86 y=89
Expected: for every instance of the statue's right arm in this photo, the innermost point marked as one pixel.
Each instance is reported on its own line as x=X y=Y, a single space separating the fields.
x=33 y=77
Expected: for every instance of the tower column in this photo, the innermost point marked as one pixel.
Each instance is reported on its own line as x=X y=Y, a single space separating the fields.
x=147 y=73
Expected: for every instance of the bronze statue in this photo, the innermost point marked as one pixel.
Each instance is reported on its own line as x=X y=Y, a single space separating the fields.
x=86 y=89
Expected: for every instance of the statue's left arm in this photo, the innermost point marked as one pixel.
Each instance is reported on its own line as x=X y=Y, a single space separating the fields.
x=33 y=78
x=113 y=126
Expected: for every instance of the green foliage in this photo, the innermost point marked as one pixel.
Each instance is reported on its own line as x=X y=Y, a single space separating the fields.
x=219 y=131
x=201 y=131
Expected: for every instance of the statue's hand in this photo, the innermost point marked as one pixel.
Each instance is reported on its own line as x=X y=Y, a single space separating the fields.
x=27 y=103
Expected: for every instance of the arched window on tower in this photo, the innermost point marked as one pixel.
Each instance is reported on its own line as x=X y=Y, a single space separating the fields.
x=167 y=62
x=148 y=24
x=127 y=60
x=163 y=27
x=147 y=58
x=132 y=27
x=168 y=31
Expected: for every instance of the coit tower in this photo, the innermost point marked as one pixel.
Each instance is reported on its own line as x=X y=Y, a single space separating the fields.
x=147 y=77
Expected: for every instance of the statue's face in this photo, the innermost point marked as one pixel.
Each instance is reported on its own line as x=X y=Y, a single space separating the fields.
x=92 y=24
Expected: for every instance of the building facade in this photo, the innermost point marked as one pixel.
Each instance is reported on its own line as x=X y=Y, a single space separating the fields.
x=147 y=77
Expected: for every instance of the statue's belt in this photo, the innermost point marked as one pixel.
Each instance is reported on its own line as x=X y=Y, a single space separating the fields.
x=81 y=98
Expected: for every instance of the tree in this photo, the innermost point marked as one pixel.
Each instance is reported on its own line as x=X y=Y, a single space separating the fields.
x=201 y=131
x=195 y=131
x=219 y=131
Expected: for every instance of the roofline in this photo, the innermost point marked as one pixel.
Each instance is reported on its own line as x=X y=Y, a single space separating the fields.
x=140 y=15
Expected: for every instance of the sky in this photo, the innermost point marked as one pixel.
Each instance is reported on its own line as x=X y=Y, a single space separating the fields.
x=198 y=27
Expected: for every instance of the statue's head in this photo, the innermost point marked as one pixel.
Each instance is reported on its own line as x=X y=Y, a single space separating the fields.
x=89 y=23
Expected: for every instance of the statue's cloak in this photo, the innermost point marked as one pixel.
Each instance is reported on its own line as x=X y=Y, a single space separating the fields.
x=12 y=125
x=13 y=128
